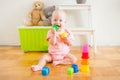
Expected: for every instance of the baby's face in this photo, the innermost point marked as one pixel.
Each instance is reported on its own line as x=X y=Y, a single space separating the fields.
x=59 y=19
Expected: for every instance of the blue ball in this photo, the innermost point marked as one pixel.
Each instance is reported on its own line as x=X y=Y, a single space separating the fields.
x=45 y=71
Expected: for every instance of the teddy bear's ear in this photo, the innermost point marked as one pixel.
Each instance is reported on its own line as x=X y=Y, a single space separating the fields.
x=38 y=2
x=41 y=3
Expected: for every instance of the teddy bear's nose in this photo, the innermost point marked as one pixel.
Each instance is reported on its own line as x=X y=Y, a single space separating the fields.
x=35 y=5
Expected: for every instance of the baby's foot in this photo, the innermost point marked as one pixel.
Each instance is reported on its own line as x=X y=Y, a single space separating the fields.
x=35 y=68
x=55 y=63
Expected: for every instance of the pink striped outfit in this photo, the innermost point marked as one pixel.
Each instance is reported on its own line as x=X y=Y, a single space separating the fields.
x=60 y=49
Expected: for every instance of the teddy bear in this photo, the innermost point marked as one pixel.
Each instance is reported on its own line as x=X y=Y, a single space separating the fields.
x=48 y=14
x=36 y=16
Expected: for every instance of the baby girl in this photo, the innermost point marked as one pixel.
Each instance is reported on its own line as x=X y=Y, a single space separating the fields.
x=59 y=47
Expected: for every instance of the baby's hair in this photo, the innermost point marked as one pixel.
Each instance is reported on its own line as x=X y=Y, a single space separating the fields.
x=59 y=12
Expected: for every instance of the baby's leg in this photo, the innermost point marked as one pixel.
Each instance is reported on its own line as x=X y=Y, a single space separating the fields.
x=68 y=59
x=42 y=62
x=71 y=57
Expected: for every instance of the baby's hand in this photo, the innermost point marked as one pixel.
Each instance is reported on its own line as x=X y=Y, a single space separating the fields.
x=53 y=38
x=65 y=40
x=53 y=31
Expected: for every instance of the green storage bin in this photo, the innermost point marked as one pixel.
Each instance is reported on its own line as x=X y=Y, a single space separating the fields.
x=33 y=38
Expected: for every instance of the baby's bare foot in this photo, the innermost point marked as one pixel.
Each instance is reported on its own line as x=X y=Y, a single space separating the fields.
x=35 y=68
x=55 y=63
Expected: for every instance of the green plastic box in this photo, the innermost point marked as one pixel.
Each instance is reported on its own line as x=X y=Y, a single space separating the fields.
x=33 y=38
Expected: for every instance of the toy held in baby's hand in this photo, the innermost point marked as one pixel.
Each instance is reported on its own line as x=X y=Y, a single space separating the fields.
x=63 y=35
x=56 y=27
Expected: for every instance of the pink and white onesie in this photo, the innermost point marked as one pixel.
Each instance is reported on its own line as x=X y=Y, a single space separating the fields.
x=60 y=49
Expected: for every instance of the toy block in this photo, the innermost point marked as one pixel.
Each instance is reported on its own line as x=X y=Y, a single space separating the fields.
x=75 y=67
x=56 y=27
x=63 y=35
x=45 y=71
x=70 y=70
x=85 y=68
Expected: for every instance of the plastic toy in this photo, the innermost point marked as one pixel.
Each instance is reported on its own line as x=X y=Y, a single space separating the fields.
x=85 y=51
x=85 y=48
x=45 y=71
x=85 y=55
x=56 y=27
x=85 y=68
x=63 y=35
x=75 y=67
x=85 y=64
x=70 y=70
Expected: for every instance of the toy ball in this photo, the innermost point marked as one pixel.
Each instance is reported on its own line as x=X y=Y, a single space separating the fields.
x=45 y=71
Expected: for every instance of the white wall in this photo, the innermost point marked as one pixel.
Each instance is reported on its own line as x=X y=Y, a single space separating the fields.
x=105 y=19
